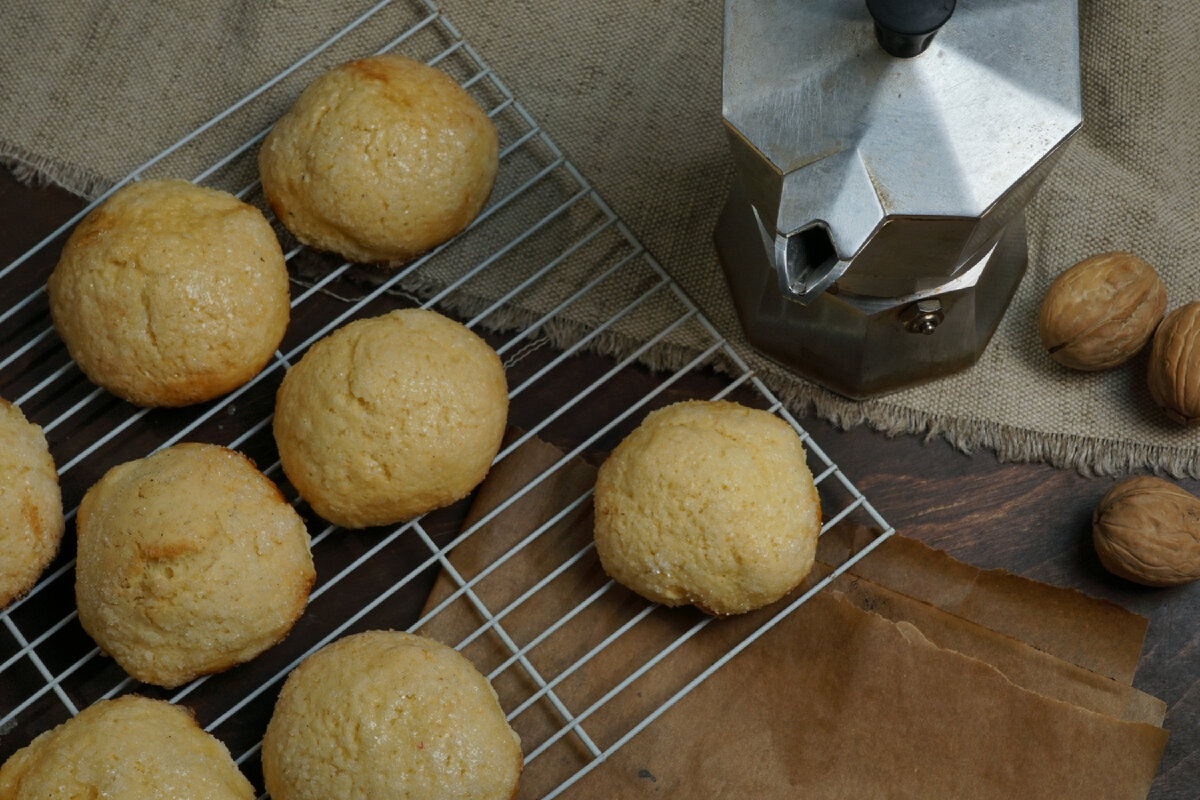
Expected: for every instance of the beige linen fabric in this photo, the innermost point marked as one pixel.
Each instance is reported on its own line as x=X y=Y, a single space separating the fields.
x=631 y=93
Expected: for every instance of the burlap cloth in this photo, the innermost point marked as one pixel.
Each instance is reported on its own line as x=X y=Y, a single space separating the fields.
x=631 y=93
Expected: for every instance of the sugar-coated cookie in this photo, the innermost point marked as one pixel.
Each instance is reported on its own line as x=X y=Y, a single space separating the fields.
x=389 y=417
x=189 y=562
x=384 y=715
x=379 y=160
x=133 y=748
x=710 y=504
x=31 y=512
x=169 y=294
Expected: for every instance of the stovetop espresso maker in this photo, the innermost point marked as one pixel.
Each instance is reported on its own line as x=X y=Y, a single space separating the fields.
x=884 y=152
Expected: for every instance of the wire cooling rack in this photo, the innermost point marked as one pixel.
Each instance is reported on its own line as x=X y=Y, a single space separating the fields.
x=576 y=309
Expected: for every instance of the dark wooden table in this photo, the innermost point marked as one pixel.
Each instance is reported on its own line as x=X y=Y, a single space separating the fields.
x=1030 y=519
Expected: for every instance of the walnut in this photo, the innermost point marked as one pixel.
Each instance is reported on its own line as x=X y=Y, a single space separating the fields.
x=1147 y=530
x=1102 y=311
x=1173 y=374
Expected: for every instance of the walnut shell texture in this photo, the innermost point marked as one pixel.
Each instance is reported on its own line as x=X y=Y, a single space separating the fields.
x=1173 y=374
x=1147 y=530
x=1101 y=311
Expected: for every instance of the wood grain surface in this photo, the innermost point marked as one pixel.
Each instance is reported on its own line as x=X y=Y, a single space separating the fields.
x=1029 y=519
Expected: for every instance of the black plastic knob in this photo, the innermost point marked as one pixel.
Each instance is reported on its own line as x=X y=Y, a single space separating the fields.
x=905 y=28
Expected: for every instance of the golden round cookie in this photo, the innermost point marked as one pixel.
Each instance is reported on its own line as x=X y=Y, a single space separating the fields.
x=31 y=513
x=169 y=294
x=391 y=416
x=708 y=503
x=379 y=160
x=189 y=561
x=133 y=748
x=384 y=714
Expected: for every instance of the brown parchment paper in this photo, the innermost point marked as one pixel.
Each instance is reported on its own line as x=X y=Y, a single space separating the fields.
x=864 y=691
x=842 y=703
x=1087 y=631
x=1018 y=661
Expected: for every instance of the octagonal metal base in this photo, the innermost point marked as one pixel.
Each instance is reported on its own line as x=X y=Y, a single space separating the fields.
x=863 y=346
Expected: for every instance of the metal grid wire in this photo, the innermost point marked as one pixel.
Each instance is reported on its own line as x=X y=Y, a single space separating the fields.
x=572 y=303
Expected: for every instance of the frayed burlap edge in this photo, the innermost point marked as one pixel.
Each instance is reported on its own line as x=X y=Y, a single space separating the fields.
x=561 y=332
x=1089 y=456
x=36 y=171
